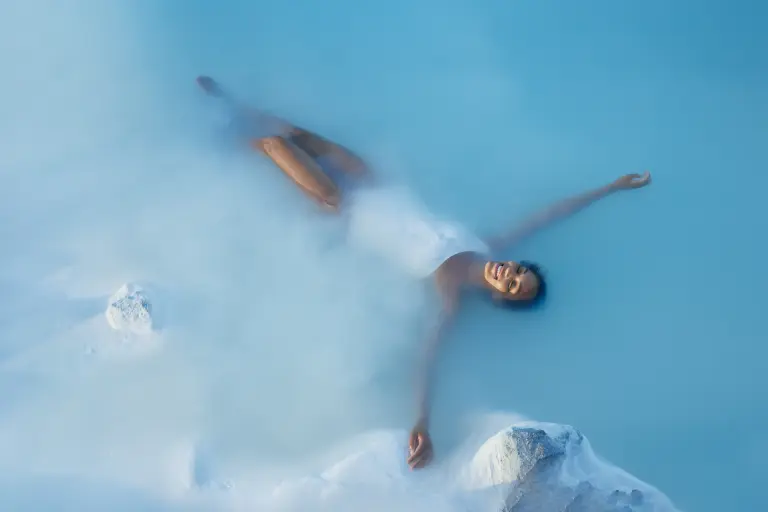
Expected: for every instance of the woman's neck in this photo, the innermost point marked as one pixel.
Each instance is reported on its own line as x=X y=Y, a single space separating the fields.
x=475 y=272
x=465 y=269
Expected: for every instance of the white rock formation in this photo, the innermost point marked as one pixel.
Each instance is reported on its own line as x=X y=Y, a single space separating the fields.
x=129 y=309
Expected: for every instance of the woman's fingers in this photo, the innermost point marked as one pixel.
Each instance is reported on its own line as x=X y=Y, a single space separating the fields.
x=421 y=451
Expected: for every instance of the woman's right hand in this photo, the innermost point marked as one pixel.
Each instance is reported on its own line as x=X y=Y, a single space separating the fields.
x=420 y=447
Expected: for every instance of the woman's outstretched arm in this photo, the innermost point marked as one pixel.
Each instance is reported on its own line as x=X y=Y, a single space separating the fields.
x=566 y=208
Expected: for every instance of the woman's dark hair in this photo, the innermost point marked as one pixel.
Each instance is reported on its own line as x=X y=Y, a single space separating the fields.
x=537 y=300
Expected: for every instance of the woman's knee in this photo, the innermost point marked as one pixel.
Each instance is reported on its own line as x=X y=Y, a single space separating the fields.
x=301 y=168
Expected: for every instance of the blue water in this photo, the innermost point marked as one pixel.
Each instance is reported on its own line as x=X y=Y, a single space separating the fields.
x=115 y=168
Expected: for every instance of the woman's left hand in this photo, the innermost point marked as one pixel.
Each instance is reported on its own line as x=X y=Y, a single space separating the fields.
x=630 y=181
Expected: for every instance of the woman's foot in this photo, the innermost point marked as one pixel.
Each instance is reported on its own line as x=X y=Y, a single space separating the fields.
x=210 y=86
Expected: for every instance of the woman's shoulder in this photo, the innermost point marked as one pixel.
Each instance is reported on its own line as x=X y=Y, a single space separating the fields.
x=455 y=268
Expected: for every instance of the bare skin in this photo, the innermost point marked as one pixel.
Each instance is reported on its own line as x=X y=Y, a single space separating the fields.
x=505 y=280
x=295 y=151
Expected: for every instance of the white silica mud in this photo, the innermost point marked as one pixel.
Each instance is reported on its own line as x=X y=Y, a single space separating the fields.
x=528 y=466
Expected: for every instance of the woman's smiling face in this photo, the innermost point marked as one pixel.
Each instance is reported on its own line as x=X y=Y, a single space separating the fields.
x=511 y=280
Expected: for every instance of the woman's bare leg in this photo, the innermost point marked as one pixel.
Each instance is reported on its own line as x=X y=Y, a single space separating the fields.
x=337 y=155
x=301 y=168
x=294 y=150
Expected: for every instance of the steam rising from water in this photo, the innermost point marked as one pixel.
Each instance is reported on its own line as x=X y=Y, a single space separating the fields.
x=263 y=332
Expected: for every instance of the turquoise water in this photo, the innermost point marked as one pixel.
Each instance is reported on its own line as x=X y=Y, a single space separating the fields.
x=652 y=338
x=652 y=341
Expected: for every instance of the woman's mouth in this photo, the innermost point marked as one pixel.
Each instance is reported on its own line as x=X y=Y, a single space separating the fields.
x=497 y=271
